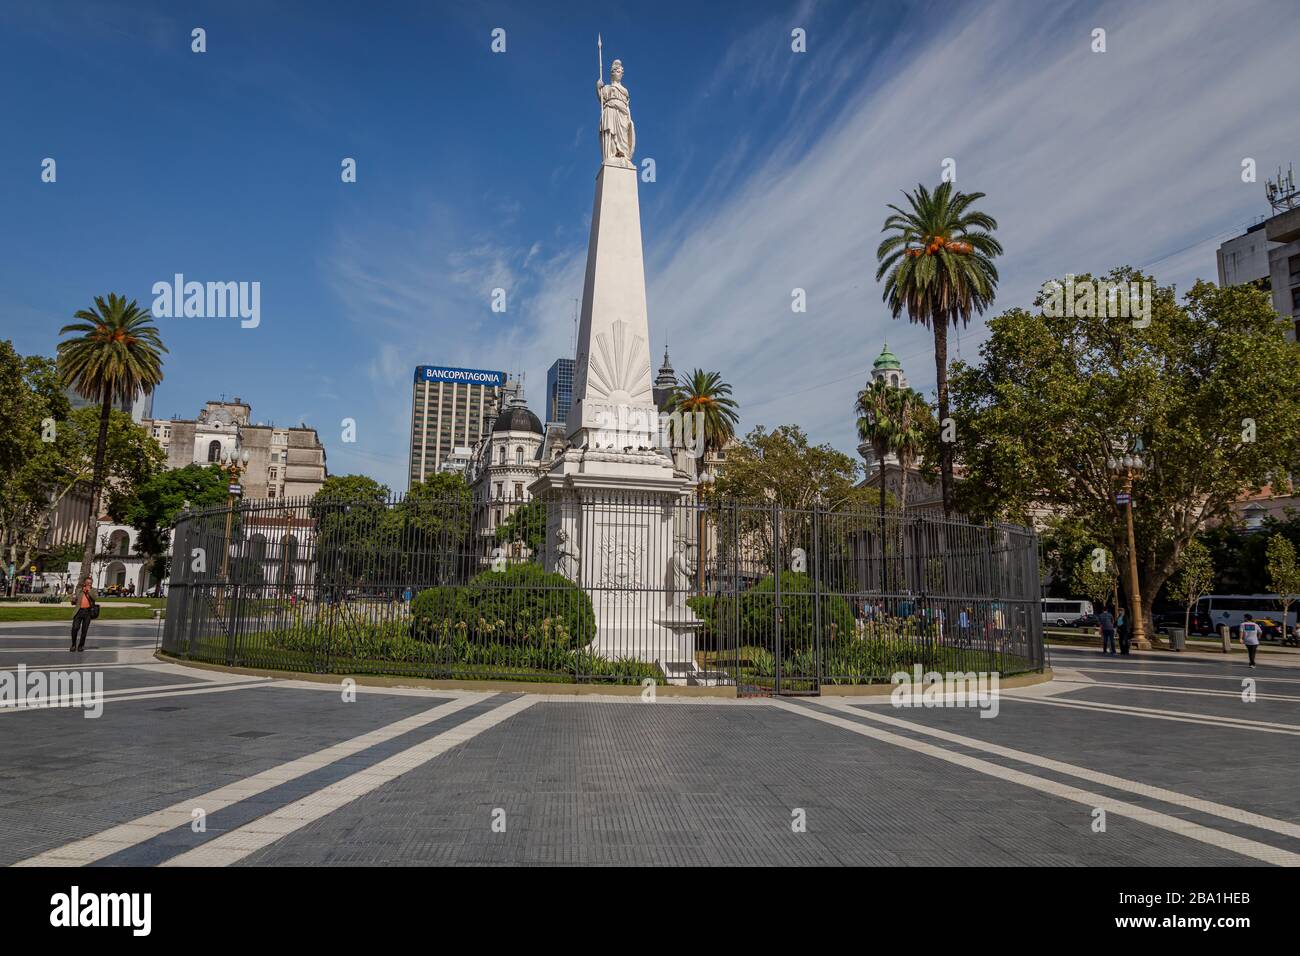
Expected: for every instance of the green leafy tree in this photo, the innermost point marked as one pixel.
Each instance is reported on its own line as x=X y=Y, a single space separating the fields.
x=432 y=524
x=1194 y=579
x=1283 y=573
x=780 y=468
x=913 y=431
x=937 y=264
x=350 y=512
x=1211 y=386
x=526 y=525
x=114 y=353
x=155 y=505
x=1240 y=555
x=31 y=495
x=1096 y=575
x=30 y=404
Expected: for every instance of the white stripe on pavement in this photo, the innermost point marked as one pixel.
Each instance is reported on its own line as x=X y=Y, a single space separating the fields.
x=233 y=846
x=123 y=693
x=1182 y=716
x=1185 y=828
x=200 y=689
x=1167 y=689
x=1284 y=827
x=115 y=839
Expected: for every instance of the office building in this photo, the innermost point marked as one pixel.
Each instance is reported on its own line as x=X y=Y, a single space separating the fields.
x=559 y=391
x=1268 y=253
x=451 y=408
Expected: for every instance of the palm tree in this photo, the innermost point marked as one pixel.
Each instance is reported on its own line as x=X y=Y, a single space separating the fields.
x=877 y=426
x=115 y=353
x=912 y=418
x=939 y=261
x=707 y=394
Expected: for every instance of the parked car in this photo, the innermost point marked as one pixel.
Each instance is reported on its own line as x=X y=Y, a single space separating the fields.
x=1085 y=620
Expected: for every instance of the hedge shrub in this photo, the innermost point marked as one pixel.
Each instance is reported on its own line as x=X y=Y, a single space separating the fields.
x=523 y=604
x=799 y=614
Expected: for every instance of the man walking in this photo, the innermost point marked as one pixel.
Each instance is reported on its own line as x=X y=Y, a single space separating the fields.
x=1250 y=637
x=86 y=611
x=1107 y=625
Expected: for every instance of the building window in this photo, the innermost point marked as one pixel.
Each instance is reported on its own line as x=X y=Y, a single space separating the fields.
x=519 y=489
x=501 y=455
x=519 y=456
x=497 y=492
x=270 y=492
x=214 y=451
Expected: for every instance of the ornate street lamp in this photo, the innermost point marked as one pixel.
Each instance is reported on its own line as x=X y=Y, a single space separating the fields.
x=1128 y=467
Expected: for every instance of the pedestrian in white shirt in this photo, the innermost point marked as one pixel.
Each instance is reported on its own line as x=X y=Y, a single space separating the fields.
x=1250 y=637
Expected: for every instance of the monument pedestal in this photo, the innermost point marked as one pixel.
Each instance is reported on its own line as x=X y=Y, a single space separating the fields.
x=618 y=524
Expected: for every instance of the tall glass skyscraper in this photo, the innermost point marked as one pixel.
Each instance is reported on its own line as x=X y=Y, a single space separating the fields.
x=559 y=391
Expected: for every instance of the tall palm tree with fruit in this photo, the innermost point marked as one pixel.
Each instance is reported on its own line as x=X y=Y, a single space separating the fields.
x=114 y=352
x=937 y=264
x=707 y=394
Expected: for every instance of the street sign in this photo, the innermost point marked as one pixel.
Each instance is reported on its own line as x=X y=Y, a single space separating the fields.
x=236 y=490
x=1122 y=498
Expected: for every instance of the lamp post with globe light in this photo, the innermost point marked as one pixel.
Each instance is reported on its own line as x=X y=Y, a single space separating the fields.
x=1129 y=466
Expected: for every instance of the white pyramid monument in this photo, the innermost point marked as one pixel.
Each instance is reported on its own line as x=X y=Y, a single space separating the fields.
x=622 y=526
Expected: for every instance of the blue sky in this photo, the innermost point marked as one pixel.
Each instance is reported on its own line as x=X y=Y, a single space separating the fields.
x=476 y=170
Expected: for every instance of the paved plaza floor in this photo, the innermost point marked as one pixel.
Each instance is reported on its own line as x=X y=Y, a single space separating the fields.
x=1142 y=760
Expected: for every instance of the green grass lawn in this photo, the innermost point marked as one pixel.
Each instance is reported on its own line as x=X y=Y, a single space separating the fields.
x=64 y=612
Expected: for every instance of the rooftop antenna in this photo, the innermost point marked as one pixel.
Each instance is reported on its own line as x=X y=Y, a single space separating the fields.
x=1282 y=194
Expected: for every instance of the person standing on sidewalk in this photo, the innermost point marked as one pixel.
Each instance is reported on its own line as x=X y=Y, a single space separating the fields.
x=87 y=610
x=1250 y=637
x=1106 y=624
x=1122 y=631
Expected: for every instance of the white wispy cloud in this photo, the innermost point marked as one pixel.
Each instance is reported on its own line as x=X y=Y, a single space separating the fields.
x=1090 y=160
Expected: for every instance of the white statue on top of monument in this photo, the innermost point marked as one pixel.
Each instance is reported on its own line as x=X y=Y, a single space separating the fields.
x=617 y=133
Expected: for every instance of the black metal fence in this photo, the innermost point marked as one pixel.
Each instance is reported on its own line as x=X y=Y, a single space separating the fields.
x=608 y=588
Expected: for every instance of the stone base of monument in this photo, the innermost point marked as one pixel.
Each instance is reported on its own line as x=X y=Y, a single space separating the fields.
x=615 y=524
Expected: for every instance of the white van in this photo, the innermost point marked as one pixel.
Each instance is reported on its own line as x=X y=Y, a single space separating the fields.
x=1058 y=613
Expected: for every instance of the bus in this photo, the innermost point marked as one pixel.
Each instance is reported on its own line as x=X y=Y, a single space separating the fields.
x=1064 y=613
x=1214 y=610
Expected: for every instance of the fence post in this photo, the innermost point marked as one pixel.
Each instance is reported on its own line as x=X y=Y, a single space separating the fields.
x=777 y=567
x=818 y=662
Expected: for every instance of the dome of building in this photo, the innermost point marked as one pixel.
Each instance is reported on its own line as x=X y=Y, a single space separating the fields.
x=886 y=359
x=517 y=418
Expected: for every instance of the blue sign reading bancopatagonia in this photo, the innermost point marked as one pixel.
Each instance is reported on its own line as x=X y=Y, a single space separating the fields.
x=469 y=376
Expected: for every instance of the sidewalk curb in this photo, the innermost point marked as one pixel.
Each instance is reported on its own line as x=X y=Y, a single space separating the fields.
x=427 y=683
x=883 y=690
